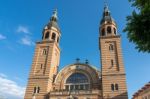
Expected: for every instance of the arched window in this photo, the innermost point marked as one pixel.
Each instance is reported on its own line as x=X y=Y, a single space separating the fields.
x=116 y=87
x=44 y=51
x=108 y=29
x=53 y=36
x=36 y=90
x=115 y=31
x=112 y=87
x=77 y=81
x=103 y=32
x=77 y=78
x=111 y=47
x=47 y=35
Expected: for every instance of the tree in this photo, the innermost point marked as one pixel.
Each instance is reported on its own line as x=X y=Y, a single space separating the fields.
x=138 y=25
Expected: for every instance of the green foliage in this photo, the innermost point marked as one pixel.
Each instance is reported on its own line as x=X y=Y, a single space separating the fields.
x=138 y=25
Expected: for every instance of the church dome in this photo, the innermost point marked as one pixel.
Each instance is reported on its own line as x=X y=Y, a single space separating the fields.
x=77 y=76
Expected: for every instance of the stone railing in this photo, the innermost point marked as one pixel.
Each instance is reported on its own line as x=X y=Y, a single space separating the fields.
x=77 y=92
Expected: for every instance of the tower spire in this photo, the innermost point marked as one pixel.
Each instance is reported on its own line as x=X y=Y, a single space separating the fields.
x=53 y=21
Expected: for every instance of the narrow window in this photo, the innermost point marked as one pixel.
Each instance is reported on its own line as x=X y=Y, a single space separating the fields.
x=34 y=90
x=38 y=89
x=58 y=40
x=111 y=47
x=41 y=66
x=112 y=63
x=115 y=31
x=53 y=36
x=47 y=35
x=103 y=32
x=116 y=87
x=108 y=29
x=112 y=87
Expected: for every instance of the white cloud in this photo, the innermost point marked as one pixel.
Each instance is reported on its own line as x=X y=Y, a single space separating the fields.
x=26 y=40
x=2 y=37
x=23 y=29
x=10 y=89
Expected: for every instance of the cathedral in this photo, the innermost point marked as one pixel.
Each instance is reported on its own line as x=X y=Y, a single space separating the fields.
x=78 y=80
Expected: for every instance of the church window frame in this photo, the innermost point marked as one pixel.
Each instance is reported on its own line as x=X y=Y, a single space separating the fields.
x=53 y=36
x=111 y=47
x=109 y=31
x=47 y=35
x=116 y=87
x=44 y=52
x=77 y=81
x=36 y=90
x=103 y=32
x=112 y=87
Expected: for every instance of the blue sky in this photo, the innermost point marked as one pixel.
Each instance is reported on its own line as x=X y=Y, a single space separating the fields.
x=21 y=25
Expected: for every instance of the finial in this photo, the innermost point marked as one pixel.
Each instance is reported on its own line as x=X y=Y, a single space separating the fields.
x=54 y=15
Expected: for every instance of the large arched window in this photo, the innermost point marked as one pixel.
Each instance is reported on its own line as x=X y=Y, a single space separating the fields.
x=77 y=81
x=108 y=29
x=47 y=35
x=77 y=78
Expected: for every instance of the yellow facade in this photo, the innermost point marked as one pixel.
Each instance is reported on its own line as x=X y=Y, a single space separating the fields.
x=78 y=80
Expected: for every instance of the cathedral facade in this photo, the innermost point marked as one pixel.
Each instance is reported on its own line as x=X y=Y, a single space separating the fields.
x=78 y=80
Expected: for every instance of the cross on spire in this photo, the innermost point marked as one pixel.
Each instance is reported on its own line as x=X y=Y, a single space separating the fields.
x=54 y=15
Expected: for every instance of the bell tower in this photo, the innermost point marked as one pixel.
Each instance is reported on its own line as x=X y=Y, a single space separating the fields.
x=113 y=73
x=45 y=62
